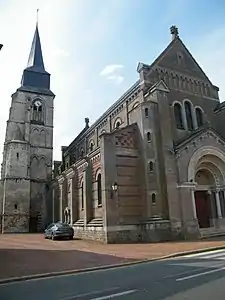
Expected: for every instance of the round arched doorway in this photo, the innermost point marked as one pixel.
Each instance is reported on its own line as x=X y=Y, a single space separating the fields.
x=206 y=170
x=206 y=209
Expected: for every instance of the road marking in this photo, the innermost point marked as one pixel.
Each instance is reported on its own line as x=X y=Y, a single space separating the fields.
x=200 y=274
x=216 y=256
x=115 y=295
x=76 y=296
x=203 y=254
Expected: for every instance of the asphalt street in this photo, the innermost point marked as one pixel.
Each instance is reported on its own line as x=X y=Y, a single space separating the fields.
x=193 y=277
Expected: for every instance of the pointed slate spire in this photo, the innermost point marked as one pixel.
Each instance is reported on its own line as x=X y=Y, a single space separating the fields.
x=35 y=59
x=34 y=76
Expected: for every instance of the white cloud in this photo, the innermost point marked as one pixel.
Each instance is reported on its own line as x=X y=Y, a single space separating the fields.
x=61 y=52
x=110 y=72
x=116 y=78
x=110 y=69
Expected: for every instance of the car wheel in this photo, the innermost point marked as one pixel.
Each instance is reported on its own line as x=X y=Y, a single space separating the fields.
x=53 y=237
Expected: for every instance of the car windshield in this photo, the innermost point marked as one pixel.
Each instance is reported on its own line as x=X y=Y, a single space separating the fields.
x=62 y=225
x=49 y=226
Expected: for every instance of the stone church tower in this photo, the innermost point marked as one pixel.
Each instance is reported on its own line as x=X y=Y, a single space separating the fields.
x=28 y=148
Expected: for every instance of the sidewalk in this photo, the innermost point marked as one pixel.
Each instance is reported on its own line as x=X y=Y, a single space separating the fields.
x=29 y=254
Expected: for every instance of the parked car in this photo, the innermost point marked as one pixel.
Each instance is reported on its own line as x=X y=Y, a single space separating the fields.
x=59 y=230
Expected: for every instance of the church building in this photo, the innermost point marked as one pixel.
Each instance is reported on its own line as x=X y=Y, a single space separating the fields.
x=26 y=171
x=152 y=167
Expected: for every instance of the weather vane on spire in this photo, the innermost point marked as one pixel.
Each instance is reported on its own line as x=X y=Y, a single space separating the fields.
x=37 y=15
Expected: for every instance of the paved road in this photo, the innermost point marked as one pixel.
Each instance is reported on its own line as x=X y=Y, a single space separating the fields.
x=193 y=277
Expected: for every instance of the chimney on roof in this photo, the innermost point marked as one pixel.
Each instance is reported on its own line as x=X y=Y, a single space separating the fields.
x=174 y=32
x=86 y=122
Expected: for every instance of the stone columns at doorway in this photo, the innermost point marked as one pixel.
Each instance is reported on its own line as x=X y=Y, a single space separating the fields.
x=219 y=212
x=193 y=203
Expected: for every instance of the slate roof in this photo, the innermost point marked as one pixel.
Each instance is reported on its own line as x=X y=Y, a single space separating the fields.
x=35 y=75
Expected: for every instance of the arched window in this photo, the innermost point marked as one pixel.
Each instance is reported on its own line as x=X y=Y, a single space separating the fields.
x=82 y=153
x=151 y=166
x=91 y=147
x=82 y=195
x=117 y=125
x=37 y=112
x=146 y=112
x=149 y=138
x=199 y=116
x=178 y=116
x=99 y=189
x=153 y=198
x=188 y=113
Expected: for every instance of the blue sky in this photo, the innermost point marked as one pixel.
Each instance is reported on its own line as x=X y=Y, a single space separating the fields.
x=92 y=48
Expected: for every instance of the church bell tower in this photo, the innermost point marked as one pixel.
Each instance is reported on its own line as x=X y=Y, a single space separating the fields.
x=28 y=148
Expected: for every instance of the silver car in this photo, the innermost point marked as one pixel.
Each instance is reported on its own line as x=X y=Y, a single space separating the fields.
x=59 y=230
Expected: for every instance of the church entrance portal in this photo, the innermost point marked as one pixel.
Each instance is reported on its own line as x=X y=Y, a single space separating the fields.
x=203 y=208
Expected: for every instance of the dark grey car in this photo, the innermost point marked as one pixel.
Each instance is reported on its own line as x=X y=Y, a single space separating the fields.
x=59 y=230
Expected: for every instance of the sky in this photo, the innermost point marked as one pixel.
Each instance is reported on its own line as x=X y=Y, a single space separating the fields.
x=92 y=48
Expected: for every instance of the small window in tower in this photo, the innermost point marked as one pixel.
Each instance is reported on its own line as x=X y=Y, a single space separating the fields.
x=153 y=198
x=149 y=138
x=151 y=166
x=146 y=112
x=17 y=155
x=37 y=111
x=15 y=206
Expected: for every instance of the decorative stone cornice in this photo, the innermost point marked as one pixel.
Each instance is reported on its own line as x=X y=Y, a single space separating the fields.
x=94 y=153
x=96 y=158
x=70 y=173
x=83 y=168
x=186 y=184
x=61 y=178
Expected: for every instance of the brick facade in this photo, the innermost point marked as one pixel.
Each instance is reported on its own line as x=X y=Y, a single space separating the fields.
x=160 y=152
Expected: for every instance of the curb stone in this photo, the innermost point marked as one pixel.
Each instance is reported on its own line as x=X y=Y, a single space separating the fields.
x=106 y=267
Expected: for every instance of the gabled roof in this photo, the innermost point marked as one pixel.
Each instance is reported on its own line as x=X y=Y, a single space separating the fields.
x=198 y=132
x=176 y=45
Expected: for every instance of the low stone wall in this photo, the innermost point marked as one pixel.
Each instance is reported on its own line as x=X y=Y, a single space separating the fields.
x=190 y=230
x=156 y=231
x=94 y=233
x=15 y=223
x=151 y=231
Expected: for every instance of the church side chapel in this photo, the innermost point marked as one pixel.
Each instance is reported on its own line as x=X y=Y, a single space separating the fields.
x=152 y=167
